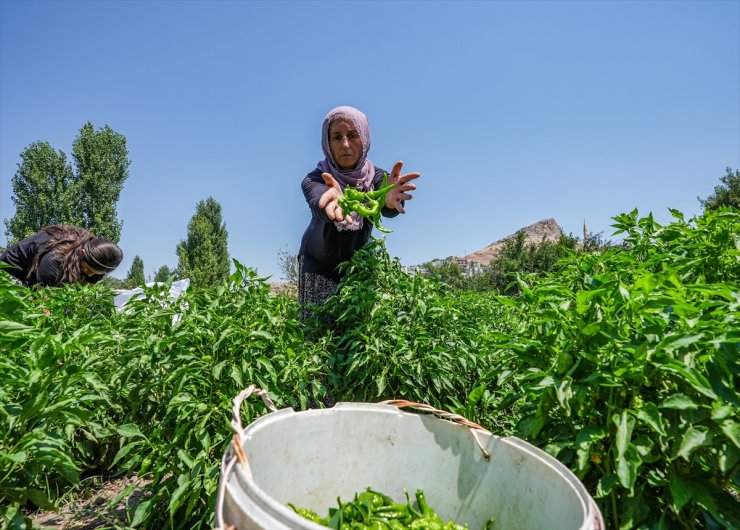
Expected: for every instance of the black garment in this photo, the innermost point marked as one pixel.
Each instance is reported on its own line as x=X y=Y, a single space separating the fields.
x=49 y=271
x=323 y=247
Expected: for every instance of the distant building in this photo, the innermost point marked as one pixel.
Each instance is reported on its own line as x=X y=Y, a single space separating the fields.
x=468 y=267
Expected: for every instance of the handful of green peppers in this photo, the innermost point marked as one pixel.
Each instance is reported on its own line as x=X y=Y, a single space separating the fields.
x=367 y=204
x=372 y=510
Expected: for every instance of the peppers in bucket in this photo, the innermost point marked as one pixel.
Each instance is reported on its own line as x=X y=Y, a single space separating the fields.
x=373 y=510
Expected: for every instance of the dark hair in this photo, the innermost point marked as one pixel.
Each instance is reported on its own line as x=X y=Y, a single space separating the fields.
x=65 y=243
x=103 y=255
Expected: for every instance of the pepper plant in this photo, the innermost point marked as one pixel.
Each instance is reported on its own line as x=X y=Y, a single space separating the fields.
x=627 y=366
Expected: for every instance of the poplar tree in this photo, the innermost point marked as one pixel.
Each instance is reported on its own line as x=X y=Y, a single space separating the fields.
x=101 y=160
x=203 y=256
x=43 y=192
x=135 y=276
x=47 y=190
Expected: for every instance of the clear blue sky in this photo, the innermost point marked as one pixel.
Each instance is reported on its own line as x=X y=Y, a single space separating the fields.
x=512 y=111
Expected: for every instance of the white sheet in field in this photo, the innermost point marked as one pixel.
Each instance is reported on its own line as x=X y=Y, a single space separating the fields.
x=124 y=295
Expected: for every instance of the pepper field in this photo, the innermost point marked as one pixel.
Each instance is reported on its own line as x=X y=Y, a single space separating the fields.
x=623 y=365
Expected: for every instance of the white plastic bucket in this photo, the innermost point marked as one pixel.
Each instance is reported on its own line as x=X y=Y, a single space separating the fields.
x=312 y=457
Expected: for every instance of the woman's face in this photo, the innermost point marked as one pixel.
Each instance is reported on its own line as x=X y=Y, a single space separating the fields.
x=345 y=144
x=87 y=269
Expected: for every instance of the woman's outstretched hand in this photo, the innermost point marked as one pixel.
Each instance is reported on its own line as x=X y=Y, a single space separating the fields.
x=328 y=201
x=398 y=194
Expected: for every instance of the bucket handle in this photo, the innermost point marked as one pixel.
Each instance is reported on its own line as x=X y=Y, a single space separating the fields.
x=236 y=420
x=235 y=452
x=455 y=418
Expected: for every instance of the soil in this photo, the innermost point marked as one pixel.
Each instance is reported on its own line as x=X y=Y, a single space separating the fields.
x=93 y=510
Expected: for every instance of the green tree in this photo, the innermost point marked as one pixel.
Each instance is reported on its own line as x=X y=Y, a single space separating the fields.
x=101 y=160
x=163 y=274
x=517 y=256
x=203 y=256
x=725 y=194
x=288 y=263
x=135 y=276
x=596 y=242
x=447 y=272
x=43 y=192
x=47 y=191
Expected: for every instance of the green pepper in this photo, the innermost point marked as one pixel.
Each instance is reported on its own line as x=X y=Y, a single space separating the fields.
x=308 y=514
x=367 y=204
x=383 y=190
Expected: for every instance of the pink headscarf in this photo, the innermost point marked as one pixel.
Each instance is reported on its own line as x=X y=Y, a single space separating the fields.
x=363 y=173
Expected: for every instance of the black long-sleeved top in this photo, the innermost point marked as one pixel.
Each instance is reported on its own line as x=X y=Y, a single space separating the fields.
x=323 y=246
x=49 y=271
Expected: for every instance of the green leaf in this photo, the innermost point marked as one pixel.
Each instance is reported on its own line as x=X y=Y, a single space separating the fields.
x=142 y=513
x=583 y=456
x=673 y=343
x=601 y=379
x=590 y=434
x=7 y=326
x=683 y=490
x=262 y=334
x=606 y=485
x=178 y=497
x=649 y=414
x=530 y=426
x=123 y=451
x=236 y=375
x=680 y=402
x=185 y=457
x=15 y=519
x=656 y=478
x=592 y=329
x=627 y=467
x=125 y=492
x=694 y=378
x=693 y=438
x=40 y=499
x=731 y=428
x=95 y=382
x=720 y=411
x=129 y=430
x=625 y=423
x=217 y=369
x=205 y=439
x=264 y=361
x=18 y=457
x=381 y=383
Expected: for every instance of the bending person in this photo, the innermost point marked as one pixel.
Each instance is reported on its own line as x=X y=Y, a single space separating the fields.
x=61 y=254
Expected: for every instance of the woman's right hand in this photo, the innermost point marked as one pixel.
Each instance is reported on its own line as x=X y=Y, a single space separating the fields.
x=329 y=200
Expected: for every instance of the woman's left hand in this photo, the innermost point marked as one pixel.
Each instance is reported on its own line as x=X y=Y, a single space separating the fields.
x=397 y=194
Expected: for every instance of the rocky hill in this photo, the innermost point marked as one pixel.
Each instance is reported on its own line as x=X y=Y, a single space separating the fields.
x=547 y=229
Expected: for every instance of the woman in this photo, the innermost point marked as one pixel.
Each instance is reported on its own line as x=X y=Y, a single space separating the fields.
x=61 y=254
x=333 y=236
